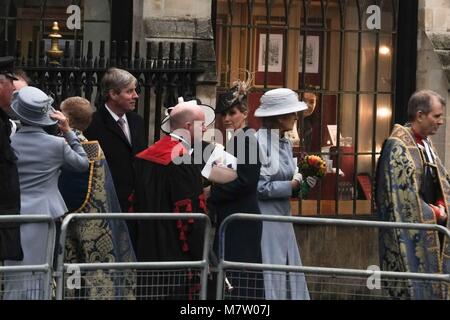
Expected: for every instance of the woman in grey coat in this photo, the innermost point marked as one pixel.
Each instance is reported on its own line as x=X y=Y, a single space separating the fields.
x=40 y=158
x=277 y=183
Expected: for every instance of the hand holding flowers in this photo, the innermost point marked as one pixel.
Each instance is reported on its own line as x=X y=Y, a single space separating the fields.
x=311 y=168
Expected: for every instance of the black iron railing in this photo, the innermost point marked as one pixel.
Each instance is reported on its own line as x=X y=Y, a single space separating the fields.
x=166 y=72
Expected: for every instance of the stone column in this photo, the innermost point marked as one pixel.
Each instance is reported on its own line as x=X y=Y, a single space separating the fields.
x=98 y=27
x=185 y=21
x=433 y=62
x=178 y=21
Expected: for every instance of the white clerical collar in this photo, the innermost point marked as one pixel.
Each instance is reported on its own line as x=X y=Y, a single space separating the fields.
x=185 y=143
x=429 y=152
x=115 y=116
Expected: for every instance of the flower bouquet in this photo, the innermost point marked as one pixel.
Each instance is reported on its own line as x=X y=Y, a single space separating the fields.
x=310 y=166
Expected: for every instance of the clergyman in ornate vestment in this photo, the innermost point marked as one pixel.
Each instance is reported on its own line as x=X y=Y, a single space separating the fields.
x=413 y=186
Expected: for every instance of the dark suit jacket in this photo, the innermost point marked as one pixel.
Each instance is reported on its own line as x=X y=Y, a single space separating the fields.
x=243 y=238
x=10 y=247
x=118 y=152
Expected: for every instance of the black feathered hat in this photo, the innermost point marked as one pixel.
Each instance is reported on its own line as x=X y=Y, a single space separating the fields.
x=236 y=95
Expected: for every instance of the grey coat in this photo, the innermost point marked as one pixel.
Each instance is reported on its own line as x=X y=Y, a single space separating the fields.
x=40 y=158
x=278 y=244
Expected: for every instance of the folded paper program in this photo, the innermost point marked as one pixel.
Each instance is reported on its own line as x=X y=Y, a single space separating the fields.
x=221 y=166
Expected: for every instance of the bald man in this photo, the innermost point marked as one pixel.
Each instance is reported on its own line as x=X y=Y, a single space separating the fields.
x=187 y=123
x=167 y=181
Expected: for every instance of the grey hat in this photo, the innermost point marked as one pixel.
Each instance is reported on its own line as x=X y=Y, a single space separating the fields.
x=279 y=101
x=32 y=106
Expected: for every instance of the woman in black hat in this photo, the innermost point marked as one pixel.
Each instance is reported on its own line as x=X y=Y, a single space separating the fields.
x=243 y=238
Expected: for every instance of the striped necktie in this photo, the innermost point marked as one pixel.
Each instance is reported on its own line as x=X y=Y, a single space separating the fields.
x=121 y=123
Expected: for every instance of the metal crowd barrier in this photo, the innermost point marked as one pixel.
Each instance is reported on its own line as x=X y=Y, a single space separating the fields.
x=237 y=280
x=28 y=282
x=132 y=280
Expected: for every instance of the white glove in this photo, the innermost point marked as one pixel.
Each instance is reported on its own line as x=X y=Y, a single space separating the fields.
x=298 y=176
x=311 y=181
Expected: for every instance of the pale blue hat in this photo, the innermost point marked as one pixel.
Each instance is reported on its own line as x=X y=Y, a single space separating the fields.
x=32 y=106
x=278 y=102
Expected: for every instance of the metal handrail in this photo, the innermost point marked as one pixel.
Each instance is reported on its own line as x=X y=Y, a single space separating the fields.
x=223 y=264
x=61 y=266
x=46 y=267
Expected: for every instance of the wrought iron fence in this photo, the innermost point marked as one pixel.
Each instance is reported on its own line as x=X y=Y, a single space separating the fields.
x=167 y=71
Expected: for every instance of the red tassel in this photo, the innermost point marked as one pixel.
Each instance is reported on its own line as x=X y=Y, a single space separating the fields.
x=202 y=202
x=131 y=201
x=186 y=203
x=183 y=206
x=195 y=288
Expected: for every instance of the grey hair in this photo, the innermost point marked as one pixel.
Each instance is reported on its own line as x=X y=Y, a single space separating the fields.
x=116 y=79
x=422 y=101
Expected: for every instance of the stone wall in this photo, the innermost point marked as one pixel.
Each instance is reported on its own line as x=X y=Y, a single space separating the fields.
x=184 y=21
x=433 y=62
x=338 y=247
x=178 y=21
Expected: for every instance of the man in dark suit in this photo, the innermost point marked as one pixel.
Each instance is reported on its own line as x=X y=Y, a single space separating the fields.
x=10 y=247
x=120 y=132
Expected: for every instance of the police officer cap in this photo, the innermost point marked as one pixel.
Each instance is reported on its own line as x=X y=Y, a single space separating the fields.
x=7 y=67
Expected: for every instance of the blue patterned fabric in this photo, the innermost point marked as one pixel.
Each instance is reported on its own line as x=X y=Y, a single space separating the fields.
x=399 y=176
x=92 y=241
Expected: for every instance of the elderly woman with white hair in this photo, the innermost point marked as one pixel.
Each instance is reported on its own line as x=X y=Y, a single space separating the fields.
x=277 y=183
x=38 y=176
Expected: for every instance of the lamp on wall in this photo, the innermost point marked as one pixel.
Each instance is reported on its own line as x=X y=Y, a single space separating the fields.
x=384 y=50
x=383 y=112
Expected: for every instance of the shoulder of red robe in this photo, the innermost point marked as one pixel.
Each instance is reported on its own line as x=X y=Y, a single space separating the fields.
x=161 y=152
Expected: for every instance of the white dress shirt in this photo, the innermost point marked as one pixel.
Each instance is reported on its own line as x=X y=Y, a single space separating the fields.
x=126 y=125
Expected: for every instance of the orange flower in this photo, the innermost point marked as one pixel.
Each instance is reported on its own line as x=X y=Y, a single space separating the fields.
x=313 y=166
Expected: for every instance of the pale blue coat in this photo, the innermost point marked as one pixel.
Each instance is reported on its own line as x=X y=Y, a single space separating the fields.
x=278 y=243
x=40 y=158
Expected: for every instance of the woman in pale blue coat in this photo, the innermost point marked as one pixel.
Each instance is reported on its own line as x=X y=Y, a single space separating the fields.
x=40 y=158
x=277 y=183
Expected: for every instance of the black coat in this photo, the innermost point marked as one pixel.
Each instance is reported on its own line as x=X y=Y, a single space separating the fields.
x=165 y=187
x=10 y=247
x=118 y=152
x=243 y=238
